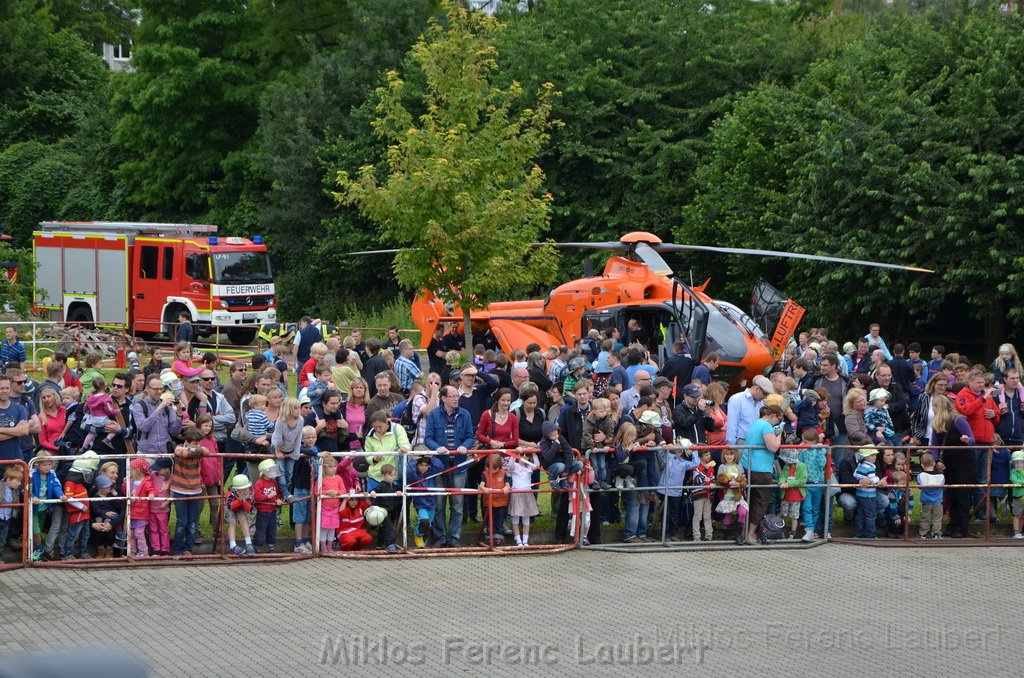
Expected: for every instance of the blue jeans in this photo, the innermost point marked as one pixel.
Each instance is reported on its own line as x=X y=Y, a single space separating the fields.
x=284 y=478
x=422 y=514
x=599 y=461
x=680 y=513
x=186 y=518
x=636 y=516
x=647 y=476
x=266 y=529
x=556 y=470
x=864 y=525
x=450 y=532
x=78 y=535
x=500 y=513
x=848 y=502
x=811 y=511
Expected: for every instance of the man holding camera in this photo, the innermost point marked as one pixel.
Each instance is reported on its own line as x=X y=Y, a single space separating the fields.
x=691 y=418
x=157 y=418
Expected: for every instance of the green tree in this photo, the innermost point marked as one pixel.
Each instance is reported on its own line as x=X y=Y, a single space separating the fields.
x=461 y=194
x=46 y=73
x=905 y=147
x=190 y=104
x=642 y=84
x=312 y=124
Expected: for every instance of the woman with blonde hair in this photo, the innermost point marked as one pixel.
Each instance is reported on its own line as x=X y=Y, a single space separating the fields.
x=854 y=403
x=1006 y=359
x=951 y=431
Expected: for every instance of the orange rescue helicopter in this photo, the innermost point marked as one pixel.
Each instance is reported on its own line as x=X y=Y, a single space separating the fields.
x=639 y=285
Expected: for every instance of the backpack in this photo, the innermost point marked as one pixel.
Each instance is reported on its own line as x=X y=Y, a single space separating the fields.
x=772 y=528
x=405 y=418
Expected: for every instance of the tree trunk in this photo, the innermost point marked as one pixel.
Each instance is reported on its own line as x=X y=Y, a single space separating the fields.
x=467 y=333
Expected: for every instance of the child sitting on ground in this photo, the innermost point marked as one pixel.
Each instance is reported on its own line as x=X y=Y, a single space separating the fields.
x=240 y=509
x=99 y=408
x=792 y=479
x=352 y=533
x=598 y=430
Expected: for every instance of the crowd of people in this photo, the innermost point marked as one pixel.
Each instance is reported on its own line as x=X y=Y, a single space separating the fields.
x=373 y=428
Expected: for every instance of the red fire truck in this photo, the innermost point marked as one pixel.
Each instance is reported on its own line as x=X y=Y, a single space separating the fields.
x=143 y=276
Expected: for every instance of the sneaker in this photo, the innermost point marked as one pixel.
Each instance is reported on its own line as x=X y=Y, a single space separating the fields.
x=1018 y=535
x=630 y=484
x=392 y=548
x=809 y=536
x=605 y=523
x=37 y=554
x=418 y=540
x=605 y=486
x=238 y=550
x=555 y=482
x=618 y=483
x=937 y=535
x=250 y=550
x=632 y=540
x=585 y=542
x=424 y=526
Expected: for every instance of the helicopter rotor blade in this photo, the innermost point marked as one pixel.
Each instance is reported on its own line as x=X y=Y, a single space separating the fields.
x=608 y=245
x=669 y=247
x=394 y=251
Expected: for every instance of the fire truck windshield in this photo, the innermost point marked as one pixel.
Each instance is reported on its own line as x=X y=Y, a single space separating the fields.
x=241 y=267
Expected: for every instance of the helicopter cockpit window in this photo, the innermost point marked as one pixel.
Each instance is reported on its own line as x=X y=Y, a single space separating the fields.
x=725 y=337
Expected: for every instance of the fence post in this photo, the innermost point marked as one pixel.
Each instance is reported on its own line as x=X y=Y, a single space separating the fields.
x=988 y=494
x=405 y=499
x=664 y=503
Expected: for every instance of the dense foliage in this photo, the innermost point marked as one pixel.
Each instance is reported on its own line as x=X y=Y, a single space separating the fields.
x=859 y=129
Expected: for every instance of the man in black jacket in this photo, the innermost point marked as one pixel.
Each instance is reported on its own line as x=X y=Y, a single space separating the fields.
x=690 y=417
x=678 y=369
x=374 y=365
x=899 y=400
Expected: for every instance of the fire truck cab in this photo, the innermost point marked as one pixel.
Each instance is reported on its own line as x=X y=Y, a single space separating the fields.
x=143 y=276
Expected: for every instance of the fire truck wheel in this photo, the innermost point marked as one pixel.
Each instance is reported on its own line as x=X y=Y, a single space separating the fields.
x=80 y=315
x=242 y=336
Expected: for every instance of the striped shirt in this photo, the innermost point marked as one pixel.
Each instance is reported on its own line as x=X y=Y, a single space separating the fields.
x=186 y=478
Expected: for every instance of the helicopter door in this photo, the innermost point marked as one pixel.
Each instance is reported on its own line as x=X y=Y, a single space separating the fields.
x=693 y=318
x=775 y=313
